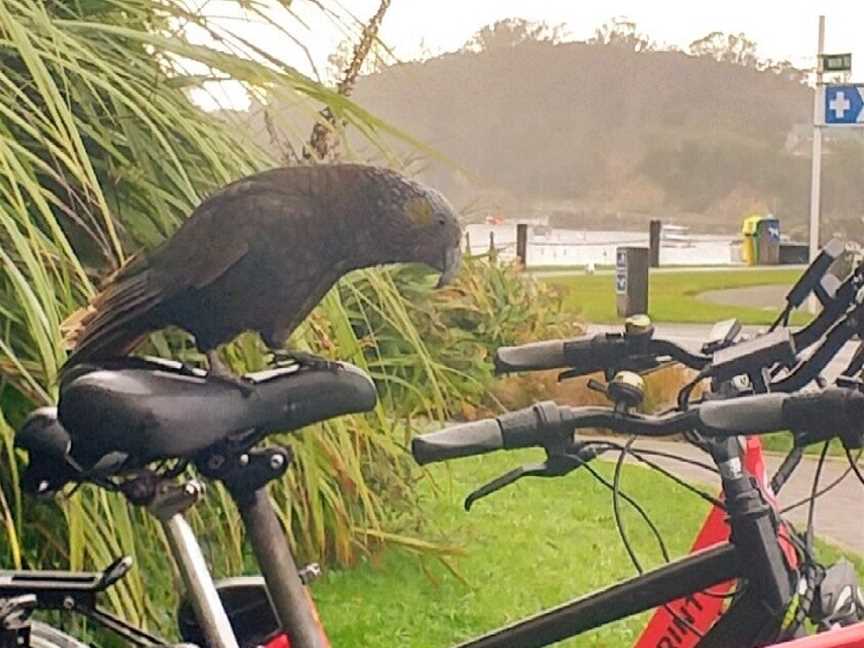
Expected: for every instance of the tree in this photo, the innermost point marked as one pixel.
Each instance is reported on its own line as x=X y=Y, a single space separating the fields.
x=622 y=32
x=511 y=32
x=737 y=49
x=785 y=69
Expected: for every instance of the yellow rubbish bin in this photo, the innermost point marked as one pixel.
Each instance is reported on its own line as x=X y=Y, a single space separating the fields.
x=749 y=247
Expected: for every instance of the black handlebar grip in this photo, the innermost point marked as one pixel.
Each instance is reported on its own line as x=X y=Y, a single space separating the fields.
x=462 y=440
x=523 y=428
x=532 y=357
x=747 y=415
x=814 y=416
x=823 y=415
x=584 y=355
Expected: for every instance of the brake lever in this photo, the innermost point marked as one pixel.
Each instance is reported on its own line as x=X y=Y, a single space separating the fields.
x=534 y=470
x=638 y=364
x=556 y=465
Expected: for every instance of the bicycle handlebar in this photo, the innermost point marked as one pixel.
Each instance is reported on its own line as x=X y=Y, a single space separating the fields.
x=520 y=429
x=810 y=278
x=550 y=354
x=589 y=354
x=844 y=297
x=820 y=416
x=837 y=336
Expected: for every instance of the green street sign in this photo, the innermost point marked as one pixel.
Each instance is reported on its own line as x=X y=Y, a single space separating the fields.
x=836 y=62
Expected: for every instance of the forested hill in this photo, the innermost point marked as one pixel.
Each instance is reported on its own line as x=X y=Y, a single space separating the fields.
x=596 y=132
x=599 y=129
x=556 y=119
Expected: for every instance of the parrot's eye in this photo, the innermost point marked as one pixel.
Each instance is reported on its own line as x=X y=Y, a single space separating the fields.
x=441 y=221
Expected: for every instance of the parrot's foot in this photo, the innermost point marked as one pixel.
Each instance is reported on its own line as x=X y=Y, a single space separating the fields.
x=220 y=372
x=304 y=359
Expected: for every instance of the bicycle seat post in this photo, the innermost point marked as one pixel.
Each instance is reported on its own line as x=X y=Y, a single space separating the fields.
x=169 y=503
x=246 y=475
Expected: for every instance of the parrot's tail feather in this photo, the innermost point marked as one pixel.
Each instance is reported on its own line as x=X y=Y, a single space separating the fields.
x=115 y=321
x=71 y=327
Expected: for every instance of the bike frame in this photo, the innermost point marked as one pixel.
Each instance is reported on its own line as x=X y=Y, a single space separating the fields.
x=661 y=628
x=756 y=556
x=246 y=475
x=678 y=579
x=849 y=637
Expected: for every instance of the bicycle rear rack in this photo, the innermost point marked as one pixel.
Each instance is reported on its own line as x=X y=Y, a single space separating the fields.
x=72 y=592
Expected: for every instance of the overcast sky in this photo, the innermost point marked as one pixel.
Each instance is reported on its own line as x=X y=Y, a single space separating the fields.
x=782 y=29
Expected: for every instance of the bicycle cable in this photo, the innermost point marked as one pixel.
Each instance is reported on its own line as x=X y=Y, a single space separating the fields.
x=616 y=507
x=809 y=569
x=636 y=506
x=638 y=455
x=811 y=510
x=686 y=390
x=666 y=455
x=707 y=497
x=853 y=464
x=829 y=487
x=812 y=571
x=619 y=524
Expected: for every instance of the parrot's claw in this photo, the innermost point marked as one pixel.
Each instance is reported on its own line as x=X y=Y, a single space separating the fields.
x=303 y=359
x=219 y=372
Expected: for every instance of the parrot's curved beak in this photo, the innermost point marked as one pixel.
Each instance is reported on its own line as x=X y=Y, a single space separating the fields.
x=450 y=265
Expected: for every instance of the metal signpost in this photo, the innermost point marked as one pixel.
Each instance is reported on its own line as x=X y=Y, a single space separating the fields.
x=816 y=170
x=834 y=106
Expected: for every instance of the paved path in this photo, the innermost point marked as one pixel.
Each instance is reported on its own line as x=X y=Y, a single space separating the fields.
x=839 y=513
x=764 y=297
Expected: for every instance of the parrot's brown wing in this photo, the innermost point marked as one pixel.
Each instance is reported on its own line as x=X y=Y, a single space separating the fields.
x=217 y=236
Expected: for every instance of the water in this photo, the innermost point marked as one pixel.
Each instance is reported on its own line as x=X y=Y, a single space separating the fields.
x=560 y=247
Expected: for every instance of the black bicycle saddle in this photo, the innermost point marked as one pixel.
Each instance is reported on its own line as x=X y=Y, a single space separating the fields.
x=149 y=410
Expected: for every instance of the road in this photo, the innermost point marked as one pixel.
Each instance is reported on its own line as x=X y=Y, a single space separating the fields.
x=838 y=514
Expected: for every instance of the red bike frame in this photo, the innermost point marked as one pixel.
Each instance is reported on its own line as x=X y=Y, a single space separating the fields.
x=849 y=637
x=699 y=610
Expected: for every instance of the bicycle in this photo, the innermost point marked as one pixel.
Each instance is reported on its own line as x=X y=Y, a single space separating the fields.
x=115 y=420
x=771 y=363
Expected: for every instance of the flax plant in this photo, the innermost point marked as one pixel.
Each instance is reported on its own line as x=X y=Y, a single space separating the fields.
x=102 y=154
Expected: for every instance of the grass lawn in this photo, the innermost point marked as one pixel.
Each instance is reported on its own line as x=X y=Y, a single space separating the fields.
x=781 y=443
x=527 y=548
x=672 y=296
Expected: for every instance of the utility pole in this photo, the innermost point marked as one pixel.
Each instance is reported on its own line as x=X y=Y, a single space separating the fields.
x=816 y=172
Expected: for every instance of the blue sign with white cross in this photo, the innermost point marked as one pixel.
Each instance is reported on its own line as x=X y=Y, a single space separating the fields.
x=843 y=105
